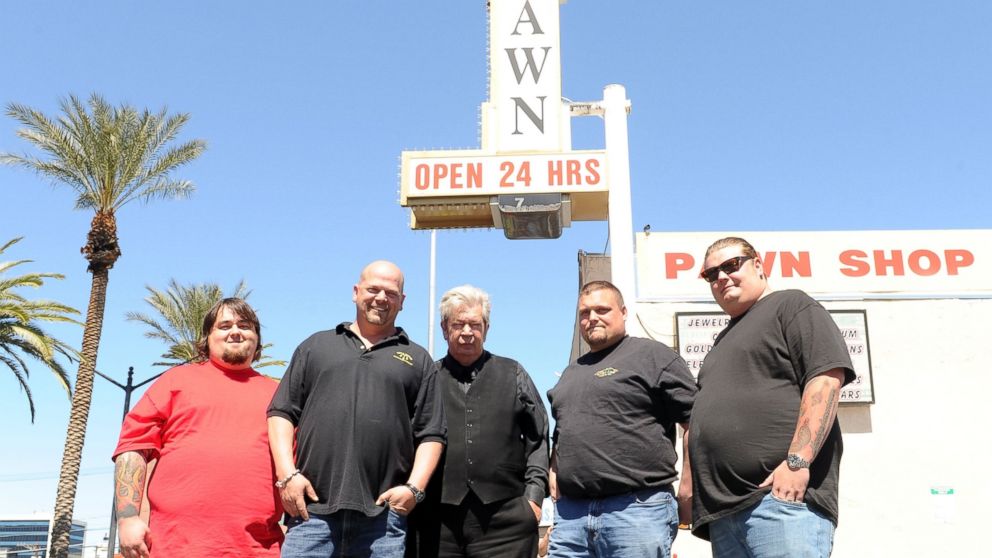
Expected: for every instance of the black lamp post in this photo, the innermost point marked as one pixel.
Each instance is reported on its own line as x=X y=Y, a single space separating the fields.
x=128 y=388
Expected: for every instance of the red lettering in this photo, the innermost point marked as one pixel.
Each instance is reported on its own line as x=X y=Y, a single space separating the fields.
x=768 y=263
x=440 y=172
x=475 y=175
x=916 y=260
x=572 y=168
x=957 y=259
x=523 y=175
x=554 y=173
x=592 y=167
x=507 y=168
x=676 y=262
x=456 y=176
x=882 y=262
x=421 y=177
x=793 y=264
x=851 y=258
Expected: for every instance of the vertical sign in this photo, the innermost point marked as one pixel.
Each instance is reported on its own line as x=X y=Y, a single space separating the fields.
x=525 y=76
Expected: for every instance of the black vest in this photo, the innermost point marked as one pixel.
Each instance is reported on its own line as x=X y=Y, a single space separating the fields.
x=485 y=451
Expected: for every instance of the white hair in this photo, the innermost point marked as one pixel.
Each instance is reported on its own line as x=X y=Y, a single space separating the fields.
x=465 y=295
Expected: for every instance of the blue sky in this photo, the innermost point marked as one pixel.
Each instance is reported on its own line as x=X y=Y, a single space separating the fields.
x=746 y=116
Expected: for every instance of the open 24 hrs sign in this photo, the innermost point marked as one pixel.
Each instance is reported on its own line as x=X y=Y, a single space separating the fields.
x=427 y=174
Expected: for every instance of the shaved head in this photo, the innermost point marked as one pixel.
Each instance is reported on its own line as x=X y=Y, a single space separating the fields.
x=382 y=268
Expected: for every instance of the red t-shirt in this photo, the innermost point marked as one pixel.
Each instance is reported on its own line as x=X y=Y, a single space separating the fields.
x=211 y=493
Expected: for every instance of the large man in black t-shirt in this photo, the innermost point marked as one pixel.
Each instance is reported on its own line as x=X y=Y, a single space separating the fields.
x=613 y=462
x=360 y=402
x=765 y=446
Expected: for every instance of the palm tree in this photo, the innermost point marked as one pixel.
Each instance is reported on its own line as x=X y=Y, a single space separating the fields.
x=109 y=156
x=20 y=334
x=182 y=309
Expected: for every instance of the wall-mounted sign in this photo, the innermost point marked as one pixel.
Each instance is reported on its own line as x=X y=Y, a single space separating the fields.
x=696 y=331
x=853 y=326
x=838 y=263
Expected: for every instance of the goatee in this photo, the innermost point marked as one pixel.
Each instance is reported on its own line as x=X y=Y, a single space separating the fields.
x=236 y=357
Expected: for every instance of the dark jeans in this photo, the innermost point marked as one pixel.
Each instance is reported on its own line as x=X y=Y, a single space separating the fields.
x=346 y=533
x=639 y=524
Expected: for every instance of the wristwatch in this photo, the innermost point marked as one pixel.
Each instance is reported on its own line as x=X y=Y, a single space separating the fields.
x=418 y=494
x=795 y=462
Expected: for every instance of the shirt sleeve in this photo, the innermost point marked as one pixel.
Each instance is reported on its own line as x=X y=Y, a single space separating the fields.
x=290 y=396
x=678 y=389
x=428 y=421
x=143 y=426
x=816 y=345
x=534 y=426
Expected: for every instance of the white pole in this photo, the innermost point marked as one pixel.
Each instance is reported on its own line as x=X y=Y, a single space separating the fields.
x=615 y=107
x=432 y=292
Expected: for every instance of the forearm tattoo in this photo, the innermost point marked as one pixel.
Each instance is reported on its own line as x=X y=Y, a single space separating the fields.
x=804 y=435
x=129 y=475
x=827 y=420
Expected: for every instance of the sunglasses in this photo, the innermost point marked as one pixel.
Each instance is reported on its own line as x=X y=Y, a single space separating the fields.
x=730 y=266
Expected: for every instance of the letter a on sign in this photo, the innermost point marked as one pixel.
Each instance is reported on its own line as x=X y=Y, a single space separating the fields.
x=525 y=82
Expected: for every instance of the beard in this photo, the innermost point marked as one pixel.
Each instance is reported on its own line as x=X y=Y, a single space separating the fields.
x=237 y=356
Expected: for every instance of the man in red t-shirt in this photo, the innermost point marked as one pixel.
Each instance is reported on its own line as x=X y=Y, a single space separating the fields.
x=211 y=491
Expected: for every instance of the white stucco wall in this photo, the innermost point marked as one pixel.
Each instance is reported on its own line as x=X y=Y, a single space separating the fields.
x=928 y=428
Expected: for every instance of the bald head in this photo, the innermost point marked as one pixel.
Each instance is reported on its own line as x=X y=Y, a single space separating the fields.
x=378 y=296
x=382 y=269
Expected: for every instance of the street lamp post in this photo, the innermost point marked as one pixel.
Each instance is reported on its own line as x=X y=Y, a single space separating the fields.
x=128 y=388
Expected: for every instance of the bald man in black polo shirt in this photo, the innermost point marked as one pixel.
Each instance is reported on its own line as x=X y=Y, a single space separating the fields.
x=360 y=402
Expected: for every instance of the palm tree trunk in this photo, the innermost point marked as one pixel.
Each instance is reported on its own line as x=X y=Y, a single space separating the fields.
x=78 y=416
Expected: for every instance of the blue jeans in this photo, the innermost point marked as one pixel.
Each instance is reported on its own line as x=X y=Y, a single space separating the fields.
x=773 y=528
x=346 y=533
x=639 y=524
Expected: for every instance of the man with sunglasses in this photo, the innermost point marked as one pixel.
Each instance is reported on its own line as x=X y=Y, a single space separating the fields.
x=765 y=446
x=613 y=462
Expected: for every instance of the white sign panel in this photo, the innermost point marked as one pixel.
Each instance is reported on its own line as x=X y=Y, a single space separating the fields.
x=858 y=263
x=468 y=173
x=696 y=332
x=853 y=326
x=525 y=75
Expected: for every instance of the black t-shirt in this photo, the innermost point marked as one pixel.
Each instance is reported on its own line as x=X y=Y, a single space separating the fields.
x=750 y=387
x=615 y=413
x=359 y=415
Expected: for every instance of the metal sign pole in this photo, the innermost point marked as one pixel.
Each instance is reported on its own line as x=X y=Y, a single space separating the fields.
x=615 y=109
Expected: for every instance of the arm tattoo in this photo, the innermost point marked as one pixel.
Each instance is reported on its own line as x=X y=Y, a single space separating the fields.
x=129 y=475
x=826 y=422
x=803 y=436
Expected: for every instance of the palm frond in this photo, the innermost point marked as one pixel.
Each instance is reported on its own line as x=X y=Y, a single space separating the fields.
x=109 y=155
x=20 y=333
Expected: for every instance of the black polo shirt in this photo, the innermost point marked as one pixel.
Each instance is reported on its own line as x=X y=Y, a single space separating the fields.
x=360 y=415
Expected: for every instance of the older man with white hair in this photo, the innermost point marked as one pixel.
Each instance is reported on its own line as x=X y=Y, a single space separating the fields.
x=487 y=491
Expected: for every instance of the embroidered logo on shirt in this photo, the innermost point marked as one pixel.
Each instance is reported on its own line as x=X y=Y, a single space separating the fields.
x=605 y=372
x=403 y=357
